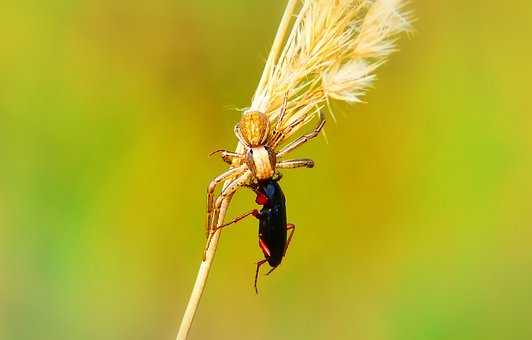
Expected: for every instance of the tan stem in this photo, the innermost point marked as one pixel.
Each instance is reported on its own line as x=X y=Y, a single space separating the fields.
x=201 y=278
x=205 y=266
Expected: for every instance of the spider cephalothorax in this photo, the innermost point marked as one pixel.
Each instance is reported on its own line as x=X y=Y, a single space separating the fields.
x=259 y=160
x=253 y=128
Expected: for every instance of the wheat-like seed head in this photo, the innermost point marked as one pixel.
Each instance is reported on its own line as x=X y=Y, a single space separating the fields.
x=331 y=53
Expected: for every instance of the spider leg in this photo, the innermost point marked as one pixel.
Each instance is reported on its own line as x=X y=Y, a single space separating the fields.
x=227 y=156
x=281 y=115
x=239 y=136
x=276 y=140
x=295 y=163
x=303 y=139
x=214 y=183
x=238 y=182
x=279 y=135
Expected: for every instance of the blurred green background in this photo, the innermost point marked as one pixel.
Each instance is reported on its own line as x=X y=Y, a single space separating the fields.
x=415 y=224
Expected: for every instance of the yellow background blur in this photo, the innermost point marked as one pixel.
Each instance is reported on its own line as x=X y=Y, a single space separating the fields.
x=415 y=223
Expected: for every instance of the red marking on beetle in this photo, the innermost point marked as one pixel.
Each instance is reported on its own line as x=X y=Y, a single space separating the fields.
x=261 y=199
x=264 y=248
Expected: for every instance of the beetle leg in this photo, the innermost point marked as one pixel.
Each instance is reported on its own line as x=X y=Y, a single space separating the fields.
x=303 y=139
x=259 y=264
x=292 y=228
x=212 y=187
x=270 y=271
x=265 y=250
x=253 y=212
x=295 y=163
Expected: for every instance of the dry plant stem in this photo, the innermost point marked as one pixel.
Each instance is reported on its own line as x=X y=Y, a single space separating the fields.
x=201 y=279
x=205 y=266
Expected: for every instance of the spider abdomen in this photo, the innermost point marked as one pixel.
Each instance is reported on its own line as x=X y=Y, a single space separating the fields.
x=261 y=161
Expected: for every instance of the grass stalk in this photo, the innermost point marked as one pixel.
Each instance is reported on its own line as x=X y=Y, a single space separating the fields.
x=201 y=279
x=205 y=266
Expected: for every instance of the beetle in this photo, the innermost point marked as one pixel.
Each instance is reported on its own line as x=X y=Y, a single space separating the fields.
x=273 y=228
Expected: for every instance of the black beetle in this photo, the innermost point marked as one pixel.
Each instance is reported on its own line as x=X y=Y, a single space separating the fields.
x=273 y=229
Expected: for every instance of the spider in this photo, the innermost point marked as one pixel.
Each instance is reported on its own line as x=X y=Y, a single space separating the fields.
x=259 y=161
